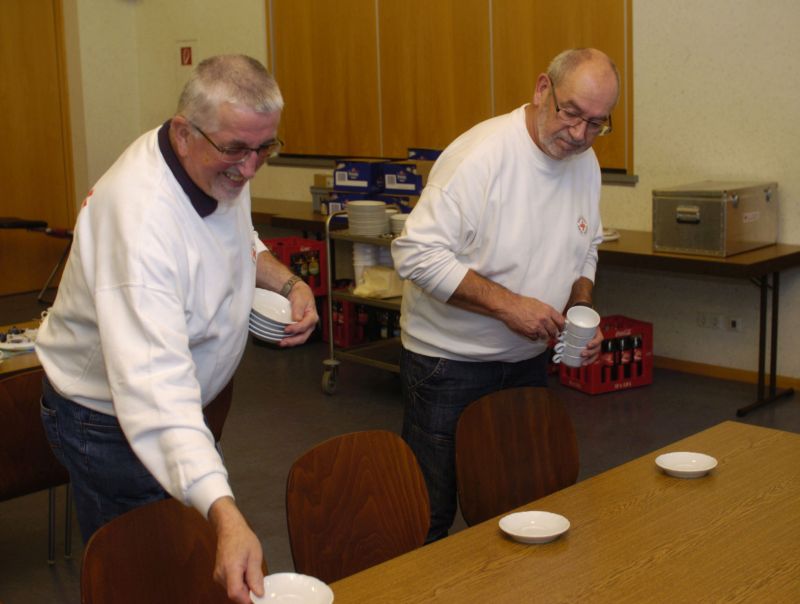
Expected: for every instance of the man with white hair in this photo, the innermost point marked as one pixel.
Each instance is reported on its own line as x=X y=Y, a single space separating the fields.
x=151 y=317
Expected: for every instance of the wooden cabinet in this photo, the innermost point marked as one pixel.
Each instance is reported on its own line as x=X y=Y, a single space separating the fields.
x=34 y=132
x=435 y=77
x=373 y=77
x=324 y=55
x=528 y=34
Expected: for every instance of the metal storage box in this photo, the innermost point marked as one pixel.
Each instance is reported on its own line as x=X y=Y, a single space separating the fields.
x=714 y=218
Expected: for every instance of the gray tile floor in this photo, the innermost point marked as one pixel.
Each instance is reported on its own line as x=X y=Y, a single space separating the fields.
x=279 y=412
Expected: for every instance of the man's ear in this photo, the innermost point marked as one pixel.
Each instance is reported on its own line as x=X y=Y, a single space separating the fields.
x=180 y=133
x=542 y=84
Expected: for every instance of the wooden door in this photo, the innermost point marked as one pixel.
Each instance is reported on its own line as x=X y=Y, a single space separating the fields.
x=34 y=140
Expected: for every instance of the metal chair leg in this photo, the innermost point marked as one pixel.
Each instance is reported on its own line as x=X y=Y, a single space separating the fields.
x=51 y=526
x=68 y=523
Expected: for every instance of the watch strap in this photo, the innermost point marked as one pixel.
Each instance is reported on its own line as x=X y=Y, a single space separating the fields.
x=290 y=283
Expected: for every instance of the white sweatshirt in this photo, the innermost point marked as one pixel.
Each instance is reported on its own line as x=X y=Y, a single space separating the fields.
x=150 y=320
x=496 y=204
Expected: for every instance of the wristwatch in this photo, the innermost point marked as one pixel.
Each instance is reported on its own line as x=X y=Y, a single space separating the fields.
x=287 y=287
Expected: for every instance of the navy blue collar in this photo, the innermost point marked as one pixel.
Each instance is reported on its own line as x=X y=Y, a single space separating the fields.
x=203 y=203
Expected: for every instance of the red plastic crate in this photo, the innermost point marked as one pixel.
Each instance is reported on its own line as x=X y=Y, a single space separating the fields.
x=306 y=258
x=349 y=325
x=627 y=366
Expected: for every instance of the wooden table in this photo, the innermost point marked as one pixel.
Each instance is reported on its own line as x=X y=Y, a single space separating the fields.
x=285 y=214
x=13 y=363
x=635 y=249
x=637 y=535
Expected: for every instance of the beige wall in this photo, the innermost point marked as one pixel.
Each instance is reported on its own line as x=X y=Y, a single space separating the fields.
x=714 y=98
x=715 y=91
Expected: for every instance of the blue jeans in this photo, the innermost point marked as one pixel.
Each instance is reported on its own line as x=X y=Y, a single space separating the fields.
x=435 y=392
x=107 y=478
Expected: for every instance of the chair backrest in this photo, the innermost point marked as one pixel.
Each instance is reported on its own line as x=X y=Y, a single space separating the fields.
x=355 y=501
x=27 y=463
x=216 y=412
x=160 y=552
x=512 y=447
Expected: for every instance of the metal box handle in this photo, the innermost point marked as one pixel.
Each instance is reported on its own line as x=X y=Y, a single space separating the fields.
x=688 y=214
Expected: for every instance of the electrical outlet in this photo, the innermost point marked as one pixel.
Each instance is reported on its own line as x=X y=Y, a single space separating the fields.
x=701 y=319
x=715 y=321
x=734 y=324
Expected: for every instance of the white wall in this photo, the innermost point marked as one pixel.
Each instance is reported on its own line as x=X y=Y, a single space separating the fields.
x=715 y=85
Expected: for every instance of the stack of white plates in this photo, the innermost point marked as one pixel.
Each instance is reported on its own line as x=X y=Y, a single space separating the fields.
x=270 y=315
x=397 y=222
x=367 y=217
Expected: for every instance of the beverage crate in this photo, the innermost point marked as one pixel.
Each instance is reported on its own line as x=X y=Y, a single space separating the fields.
x=355 y=323
x=626 y=360
x=306 y=258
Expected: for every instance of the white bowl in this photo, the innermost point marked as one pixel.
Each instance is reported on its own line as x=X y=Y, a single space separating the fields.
x=534 y=527
x=686 y=464
x=266 y=330
x=272 y=305
x=294 y=587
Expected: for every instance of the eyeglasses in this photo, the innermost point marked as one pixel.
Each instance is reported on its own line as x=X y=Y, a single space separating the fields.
x=572 y=119
x=237 y=155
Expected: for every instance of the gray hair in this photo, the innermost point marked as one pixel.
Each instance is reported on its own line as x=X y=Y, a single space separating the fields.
x=571 y=59
x=236 y=79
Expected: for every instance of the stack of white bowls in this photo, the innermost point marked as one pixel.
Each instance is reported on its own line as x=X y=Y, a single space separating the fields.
x=367 y=217
x=364 y=255
x=270 y=315
x=397 y=222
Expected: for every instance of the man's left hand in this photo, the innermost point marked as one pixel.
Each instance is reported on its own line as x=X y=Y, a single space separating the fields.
x=592 y=352
x=304 y=312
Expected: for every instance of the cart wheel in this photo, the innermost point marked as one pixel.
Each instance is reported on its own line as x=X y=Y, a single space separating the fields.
x=329 y=381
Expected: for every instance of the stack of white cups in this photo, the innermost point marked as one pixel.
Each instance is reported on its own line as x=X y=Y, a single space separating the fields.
x=581 y=325
x=385 y=257
x=364 y=255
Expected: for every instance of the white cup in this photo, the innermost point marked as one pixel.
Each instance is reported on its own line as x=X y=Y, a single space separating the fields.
x=567 y=360
x=568 y=349
x=582 y=321
x=573 y=340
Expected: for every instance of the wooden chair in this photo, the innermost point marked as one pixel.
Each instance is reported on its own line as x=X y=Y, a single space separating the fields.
x=355 y=501
x=160 y=552
x=512 y=447
x=27 y=463
x=216 y=412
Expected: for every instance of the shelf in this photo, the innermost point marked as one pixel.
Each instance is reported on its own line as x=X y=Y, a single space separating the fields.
x=344 y=235
x=383 y=354
x=385 y=303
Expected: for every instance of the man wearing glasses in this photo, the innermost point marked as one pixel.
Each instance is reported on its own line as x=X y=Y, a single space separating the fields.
x=151 y=316
x=502 y=242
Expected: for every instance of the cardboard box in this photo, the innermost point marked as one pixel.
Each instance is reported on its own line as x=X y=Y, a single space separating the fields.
x=323 y=181
x=406 y=176
x=358 y=175
x=421 y=153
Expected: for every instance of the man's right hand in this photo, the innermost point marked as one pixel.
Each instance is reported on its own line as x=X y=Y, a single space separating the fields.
x=529 y=317
x=239 y=554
